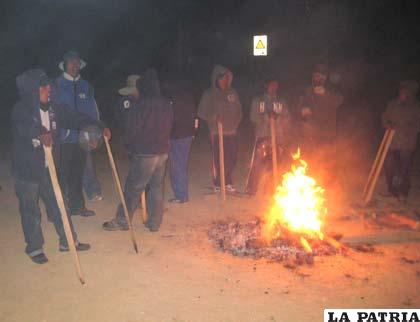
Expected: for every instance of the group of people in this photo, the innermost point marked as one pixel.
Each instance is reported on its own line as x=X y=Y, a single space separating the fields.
x=160 y=122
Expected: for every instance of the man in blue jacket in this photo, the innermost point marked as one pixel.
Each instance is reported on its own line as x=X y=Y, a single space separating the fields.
x=36 y=121
x=77 y=95
x=147 y=123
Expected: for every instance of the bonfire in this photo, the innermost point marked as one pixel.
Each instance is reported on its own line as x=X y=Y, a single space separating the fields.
x=291 y=231
x=298 y=206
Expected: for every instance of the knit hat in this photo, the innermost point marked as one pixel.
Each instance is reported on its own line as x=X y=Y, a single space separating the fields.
x=71 y=55
x=131 y=87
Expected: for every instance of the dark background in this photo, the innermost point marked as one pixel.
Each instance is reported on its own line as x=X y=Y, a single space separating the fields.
x=373 y=44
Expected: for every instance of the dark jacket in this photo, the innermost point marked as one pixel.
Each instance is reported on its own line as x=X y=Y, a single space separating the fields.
x=405 y=117
x=147 y=123
x=184 y=109
x=28 y=159
x=322 y=124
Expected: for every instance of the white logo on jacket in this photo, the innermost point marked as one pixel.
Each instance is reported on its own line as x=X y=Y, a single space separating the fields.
x=231 y=98
x=36 y=143
x=82 y=96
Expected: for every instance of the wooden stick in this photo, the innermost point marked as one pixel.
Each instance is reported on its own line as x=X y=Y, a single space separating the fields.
x=252 y=164
x=375 y=162
x=333 y=242
x=413 y=224
x=63 y=211
x=305 y=244
x=144 y=207
x=274 y=149
x=371 y=188
x=221 y=160
x=121 y=194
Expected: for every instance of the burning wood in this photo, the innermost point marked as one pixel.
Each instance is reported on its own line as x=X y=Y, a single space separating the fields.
x=292 y=230
x=247 y=239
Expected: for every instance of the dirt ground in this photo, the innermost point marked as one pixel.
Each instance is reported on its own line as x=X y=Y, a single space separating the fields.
x=179 y=276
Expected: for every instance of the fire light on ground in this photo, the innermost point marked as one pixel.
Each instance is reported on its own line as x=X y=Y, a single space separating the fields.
x=298 y=206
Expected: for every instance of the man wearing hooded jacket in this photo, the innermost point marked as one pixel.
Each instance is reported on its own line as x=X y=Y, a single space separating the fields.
x=220 y=103
x=147 y=123
x=36 y=122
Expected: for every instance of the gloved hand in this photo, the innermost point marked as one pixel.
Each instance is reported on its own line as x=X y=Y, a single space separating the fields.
x=46 y=139
x=306 y=112
x=107 y=133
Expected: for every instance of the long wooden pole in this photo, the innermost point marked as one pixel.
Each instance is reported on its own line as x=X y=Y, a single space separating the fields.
x=144 y=207
x=121 y=194
x=274 y=149
x=63 y=211
x=251 y=165
x=375 y=162
x=378 y=168
x=221 y=161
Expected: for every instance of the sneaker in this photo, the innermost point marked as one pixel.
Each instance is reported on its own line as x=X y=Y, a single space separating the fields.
x=114 y=225
x=96 y=198
x=79 y=247
x=230 y=188
x=216 y=189
x=84 y=212
x=39 y=259
x=175 y=200
x=152 y=229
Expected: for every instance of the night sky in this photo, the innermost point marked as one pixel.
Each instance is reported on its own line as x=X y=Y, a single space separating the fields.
x=187 y=37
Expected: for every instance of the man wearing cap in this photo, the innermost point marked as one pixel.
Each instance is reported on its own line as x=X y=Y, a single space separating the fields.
x=77 y=95
x=146 y=122
x=403 y=115
x=36 y=122
x=318 y=108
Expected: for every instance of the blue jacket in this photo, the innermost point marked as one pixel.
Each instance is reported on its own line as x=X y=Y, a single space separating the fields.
x=77 y=96
x=28 y=159
x=146 y=123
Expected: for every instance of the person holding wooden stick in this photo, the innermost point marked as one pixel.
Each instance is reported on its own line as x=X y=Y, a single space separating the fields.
x=147 y=124
x=264 y=107
x=403 y=115
x=36 y=122
x=220 y=103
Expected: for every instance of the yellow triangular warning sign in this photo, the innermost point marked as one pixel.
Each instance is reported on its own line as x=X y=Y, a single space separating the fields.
x=260 y=45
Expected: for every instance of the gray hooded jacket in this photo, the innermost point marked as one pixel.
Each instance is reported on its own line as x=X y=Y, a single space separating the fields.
x=226 y=104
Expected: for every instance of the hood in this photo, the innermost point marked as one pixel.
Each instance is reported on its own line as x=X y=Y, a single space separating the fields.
x=28 y=82
x=218 y=70
x=148 y=84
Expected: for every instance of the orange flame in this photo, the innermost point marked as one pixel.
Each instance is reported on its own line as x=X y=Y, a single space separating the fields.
x=299 y=204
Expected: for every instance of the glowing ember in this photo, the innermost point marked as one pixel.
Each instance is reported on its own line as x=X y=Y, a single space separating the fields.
x=299 y=205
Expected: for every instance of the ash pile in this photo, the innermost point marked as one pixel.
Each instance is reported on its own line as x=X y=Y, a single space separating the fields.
x=245 y=239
